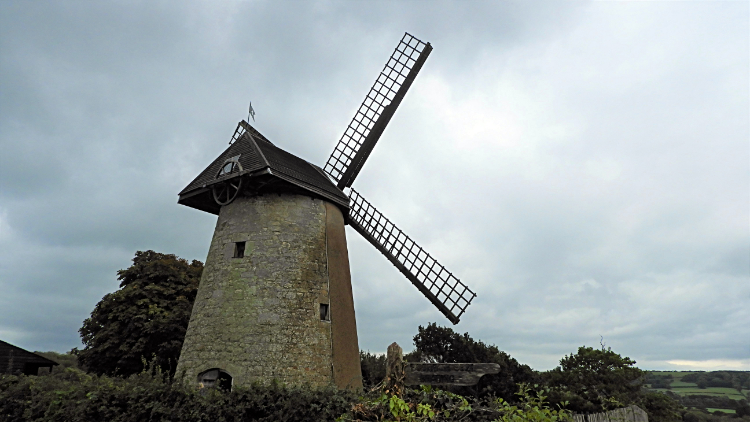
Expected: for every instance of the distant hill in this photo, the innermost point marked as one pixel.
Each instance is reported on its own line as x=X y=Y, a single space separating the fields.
x=723 y=391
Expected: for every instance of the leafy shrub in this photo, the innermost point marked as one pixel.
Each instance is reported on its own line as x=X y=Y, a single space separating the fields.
x=704 y=401
x=443 y=345
x=660 y=407
x=595 y=380
x=73 y=395
x=145 y=320
x=533 y=408
x=428 y=404
x=373 y=368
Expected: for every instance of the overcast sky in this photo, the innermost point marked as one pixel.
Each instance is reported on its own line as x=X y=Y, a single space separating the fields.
x=584 y=167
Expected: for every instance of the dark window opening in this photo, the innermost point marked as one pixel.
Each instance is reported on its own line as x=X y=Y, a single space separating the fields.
x=215 y=378
x=226 y=169
x=239 y=249
x=325 y=314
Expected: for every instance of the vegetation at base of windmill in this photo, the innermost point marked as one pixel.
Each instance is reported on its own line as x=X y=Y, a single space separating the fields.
x=146 y=317
x=430 y=404
x=373 y=368
x=423 y=404
x=150 y=395
x=436 y=344
x=532 y=407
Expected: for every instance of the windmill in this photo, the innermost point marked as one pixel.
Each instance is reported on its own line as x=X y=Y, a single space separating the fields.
x=275 y=299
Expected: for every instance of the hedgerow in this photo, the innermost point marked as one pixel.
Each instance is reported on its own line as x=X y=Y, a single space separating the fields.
x=73 y=395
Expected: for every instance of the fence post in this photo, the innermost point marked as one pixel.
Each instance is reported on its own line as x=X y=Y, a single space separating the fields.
x=394 y=370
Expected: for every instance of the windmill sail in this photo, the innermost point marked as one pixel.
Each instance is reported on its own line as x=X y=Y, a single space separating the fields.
x=376 y=110
x=442 y=288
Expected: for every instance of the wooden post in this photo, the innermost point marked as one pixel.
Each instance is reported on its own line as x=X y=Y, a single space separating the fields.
x=394 y=370
x=399 y=373
x=448 y=373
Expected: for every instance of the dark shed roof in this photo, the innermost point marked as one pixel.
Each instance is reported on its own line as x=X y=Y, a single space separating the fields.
x=267 y=168
x=15 y=360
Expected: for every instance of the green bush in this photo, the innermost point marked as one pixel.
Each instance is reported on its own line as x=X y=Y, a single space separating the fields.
x=436 y=344
x=428 y=404
x=373 y=368
x=73 y=395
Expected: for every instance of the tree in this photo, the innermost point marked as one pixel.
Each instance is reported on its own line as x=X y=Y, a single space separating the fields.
x=436 y=344
x=145 y=320
x=743 y=408
x=64 y=360
x=373 y=368
x=595 y=380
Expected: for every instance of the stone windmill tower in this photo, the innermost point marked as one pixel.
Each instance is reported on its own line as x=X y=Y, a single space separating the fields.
x=275 y=300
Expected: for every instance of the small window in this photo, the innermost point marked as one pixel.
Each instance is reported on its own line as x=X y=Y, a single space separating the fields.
x=231 y=165
x=239 y=249
x=325 y=314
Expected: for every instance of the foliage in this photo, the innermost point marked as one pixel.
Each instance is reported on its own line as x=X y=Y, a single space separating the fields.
x=658 y=380
x=727 y=379
x=660 y=407
x=73 y=395
x=598 y=380
x=64 y=360
x=532 y=408
x=743 y=408
x=595 y=380
x=443 y=345
x=701 y=415
x=373 y=368
x=706 y=401
x=416 y=405
x=145 y=321
x=428 y=404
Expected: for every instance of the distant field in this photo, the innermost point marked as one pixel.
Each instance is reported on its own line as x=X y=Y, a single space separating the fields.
x=690 y=389
x=709 y=391
x=711 y=409
x=678 y=384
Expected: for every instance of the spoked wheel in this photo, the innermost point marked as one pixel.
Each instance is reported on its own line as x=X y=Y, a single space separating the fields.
x=225 y=192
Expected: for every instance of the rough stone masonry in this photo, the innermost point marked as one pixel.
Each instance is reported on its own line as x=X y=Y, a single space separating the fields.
x=258 y=317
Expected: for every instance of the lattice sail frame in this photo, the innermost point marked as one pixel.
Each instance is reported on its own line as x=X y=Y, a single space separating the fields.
x=442 y=288
x=242 y=127
x=376 y=110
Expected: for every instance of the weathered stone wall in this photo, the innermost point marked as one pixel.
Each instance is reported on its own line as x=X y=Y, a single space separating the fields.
x=258 y=317
x=347 y=372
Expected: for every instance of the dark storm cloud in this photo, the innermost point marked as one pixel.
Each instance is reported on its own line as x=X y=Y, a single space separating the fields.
x=582 y=166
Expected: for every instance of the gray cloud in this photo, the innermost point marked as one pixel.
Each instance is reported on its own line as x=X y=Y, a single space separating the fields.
x=583 y=166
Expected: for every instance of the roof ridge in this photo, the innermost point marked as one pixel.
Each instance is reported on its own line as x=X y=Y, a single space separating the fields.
x=257 y=148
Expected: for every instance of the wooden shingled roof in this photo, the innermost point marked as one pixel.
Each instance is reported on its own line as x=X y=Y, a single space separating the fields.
x=265 y=168
x=15 y=360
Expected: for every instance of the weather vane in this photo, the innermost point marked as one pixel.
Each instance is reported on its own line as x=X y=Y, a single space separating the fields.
x=251 y=112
